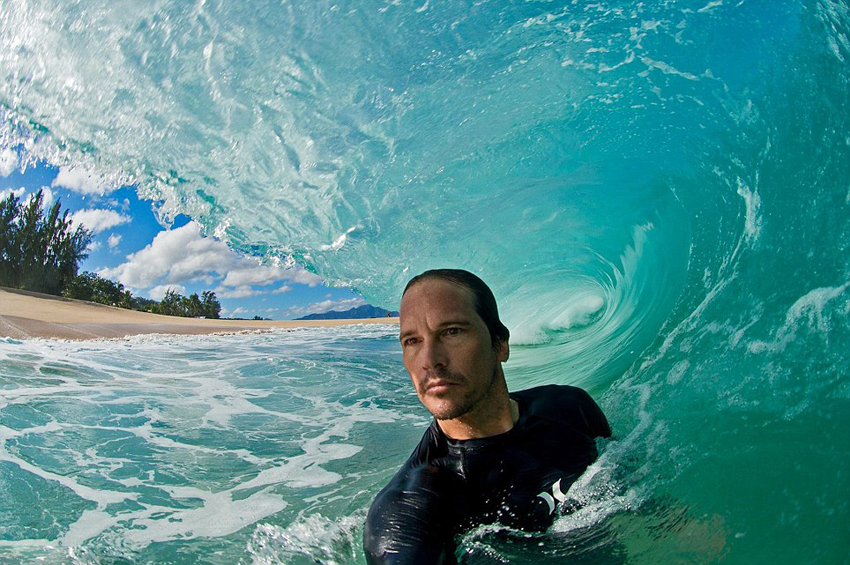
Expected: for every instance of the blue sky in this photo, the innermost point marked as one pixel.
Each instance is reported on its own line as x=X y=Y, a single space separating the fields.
x=131 y=247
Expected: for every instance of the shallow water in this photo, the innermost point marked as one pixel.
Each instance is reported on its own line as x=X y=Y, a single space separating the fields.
x=268 y=448
x=657 y=193
x=225 y=448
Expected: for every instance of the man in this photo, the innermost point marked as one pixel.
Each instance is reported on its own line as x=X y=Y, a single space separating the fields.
x=488 y=456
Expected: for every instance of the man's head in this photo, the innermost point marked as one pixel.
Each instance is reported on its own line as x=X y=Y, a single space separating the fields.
x=483 y=300
x=453 y=345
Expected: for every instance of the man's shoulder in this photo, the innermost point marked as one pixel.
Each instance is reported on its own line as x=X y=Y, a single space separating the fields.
x=430 y=447
x=567 y=405
x=423 y=465
x=415 y=516
x=545 y=398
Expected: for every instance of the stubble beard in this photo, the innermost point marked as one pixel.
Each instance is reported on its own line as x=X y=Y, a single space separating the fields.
x=468 y=402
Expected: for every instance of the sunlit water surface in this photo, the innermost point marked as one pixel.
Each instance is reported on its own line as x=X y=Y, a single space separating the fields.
x=656 y=191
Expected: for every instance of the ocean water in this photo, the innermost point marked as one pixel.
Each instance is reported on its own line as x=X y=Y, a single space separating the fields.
x=657 y=192
x=250 y=448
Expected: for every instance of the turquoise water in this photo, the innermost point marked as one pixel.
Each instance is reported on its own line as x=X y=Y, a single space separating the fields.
x=252 y=448
x=657 y=192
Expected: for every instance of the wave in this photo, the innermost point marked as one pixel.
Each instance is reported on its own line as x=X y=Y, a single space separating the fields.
x=656 y=192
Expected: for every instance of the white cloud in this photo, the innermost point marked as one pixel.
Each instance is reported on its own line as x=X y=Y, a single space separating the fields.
x=93 y=246
x=24 y=198
x=177 y=255
x=158 y=292
x=123 y=205
x=183 y=255
x=325 y=306
x=46 y=198
x=18 y=192
x=241 y=292
x=98 y=220
x=80 y=180
x=241 y=312
x=8 y=162
x=247 y=291
x=251 y=272
x=113 y=241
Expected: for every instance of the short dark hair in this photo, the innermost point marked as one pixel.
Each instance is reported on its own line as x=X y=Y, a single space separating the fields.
x=483 y=300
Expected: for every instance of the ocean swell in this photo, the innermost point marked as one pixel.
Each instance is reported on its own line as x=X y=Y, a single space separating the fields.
x=656 y=191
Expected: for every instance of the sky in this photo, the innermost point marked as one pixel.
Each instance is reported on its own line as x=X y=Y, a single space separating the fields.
x=129 y=246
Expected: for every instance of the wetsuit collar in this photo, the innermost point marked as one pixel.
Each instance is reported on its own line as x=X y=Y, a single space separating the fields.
x=476 y=443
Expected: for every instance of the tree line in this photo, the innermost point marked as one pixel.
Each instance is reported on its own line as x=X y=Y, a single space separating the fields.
x=39 y=252
x=42 y=252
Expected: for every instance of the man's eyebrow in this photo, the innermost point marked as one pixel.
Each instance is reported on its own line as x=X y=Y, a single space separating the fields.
x=447 y=323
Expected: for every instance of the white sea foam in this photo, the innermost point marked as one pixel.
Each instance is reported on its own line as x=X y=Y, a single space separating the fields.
x=809 y=311
x=153 y=401
x=219 y=515
x=320 y=539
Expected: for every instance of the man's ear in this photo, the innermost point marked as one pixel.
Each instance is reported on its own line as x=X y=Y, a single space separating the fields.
x=503 y=351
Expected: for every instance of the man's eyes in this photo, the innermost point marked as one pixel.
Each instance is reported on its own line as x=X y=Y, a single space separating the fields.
x=446 y=332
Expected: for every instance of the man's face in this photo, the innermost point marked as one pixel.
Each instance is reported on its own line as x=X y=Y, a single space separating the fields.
x=447 y=349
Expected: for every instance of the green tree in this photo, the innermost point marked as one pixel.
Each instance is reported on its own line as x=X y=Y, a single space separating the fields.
x=194 y=306
x=171 y=304
x=94 y=288
x=39 y=252
x=212 y=307
x=10 y=251
x=145 y=304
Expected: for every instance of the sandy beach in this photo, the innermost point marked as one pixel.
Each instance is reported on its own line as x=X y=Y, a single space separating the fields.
x=26 y=315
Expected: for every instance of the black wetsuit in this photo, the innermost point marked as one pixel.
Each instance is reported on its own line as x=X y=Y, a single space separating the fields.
x=517 y=478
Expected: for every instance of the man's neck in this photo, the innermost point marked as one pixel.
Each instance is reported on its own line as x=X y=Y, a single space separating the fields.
x=473 y=426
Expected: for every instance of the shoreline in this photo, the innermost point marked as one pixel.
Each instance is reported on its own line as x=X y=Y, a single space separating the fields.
x=32 y=315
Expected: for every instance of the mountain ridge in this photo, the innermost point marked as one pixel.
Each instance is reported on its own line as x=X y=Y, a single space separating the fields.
x=364 y=311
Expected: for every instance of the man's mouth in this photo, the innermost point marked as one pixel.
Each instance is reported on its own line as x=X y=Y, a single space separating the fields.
x=438 y=386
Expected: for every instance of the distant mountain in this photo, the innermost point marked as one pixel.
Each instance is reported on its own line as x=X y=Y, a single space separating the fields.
x=365 y=311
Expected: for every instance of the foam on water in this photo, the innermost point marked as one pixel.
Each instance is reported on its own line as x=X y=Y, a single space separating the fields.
x=160 y=439
x=656 y=191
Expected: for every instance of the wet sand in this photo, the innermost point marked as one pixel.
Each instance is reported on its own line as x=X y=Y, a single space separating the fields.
x=26 y=315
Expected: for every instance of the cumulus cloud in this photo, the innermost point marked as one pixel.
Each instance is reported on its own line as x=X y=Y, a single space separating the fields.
x=250 y=272
x=98 y=220
x=18 y=192
x=324 y=306
x=182 y=255
x=81 y=181
x=177 y=255
x=247 y=291
x=241 y=312
x=46 y=197
x=158 y=292
x=93 y=246
x=113 y=241
x=241 y=292
x=8 y=162
x=24 y=198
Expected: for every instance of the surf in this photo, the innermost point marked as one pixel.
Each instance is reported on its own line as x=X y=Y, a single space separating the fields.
x=656 y=193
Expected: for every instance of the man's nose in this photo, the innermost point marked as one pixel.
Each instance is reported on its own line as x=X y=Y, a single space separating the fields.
x=433 y=354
